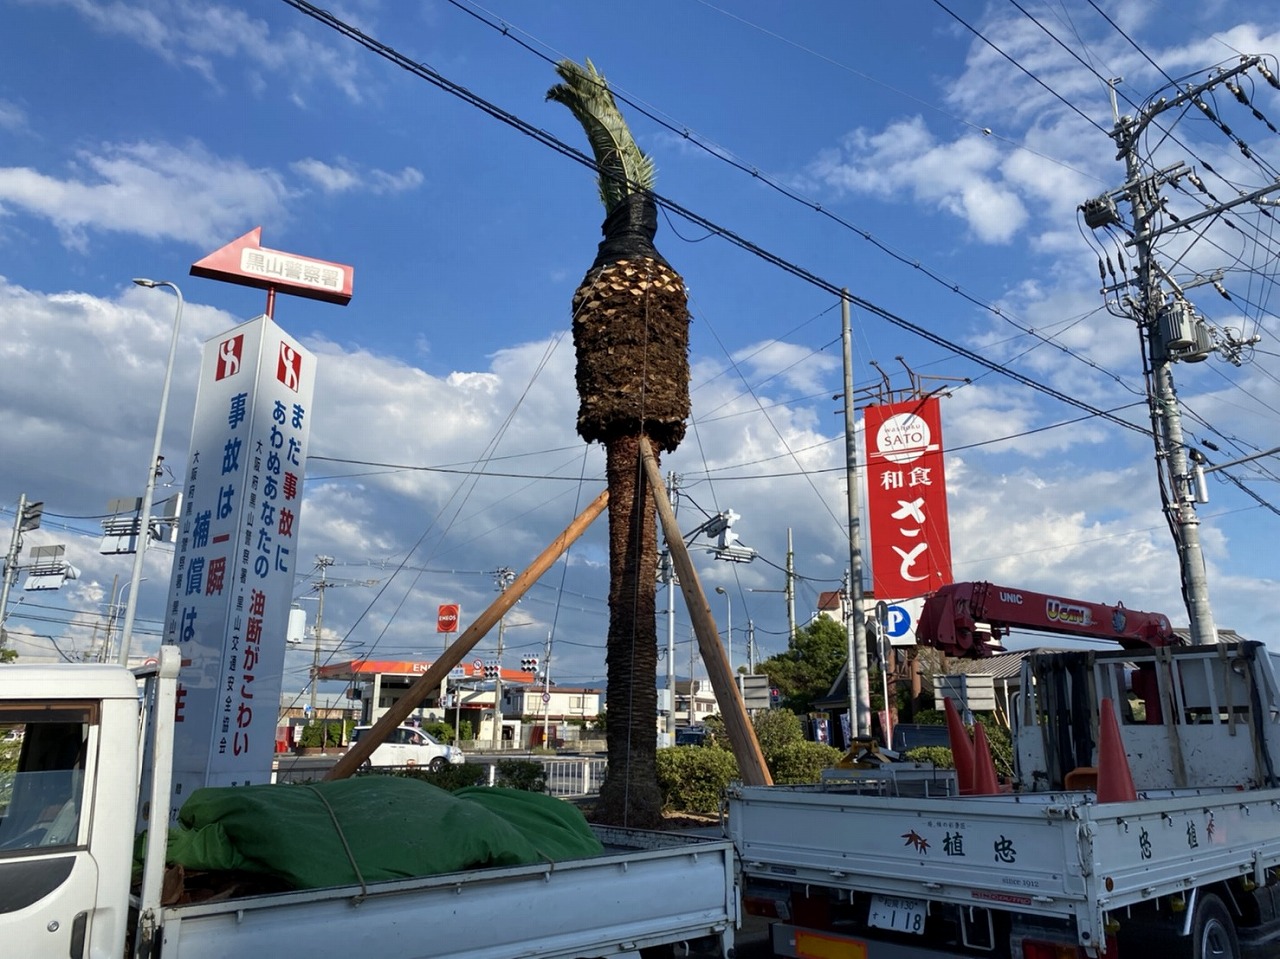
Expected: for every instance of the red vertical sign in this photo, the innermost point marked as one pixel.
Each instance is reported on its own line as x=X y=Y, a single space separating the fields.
x=907 y=499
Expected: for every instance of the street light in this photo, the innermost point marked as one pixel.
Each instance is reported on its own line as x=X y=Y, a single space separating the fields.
x=728 y=605
x=153 y=466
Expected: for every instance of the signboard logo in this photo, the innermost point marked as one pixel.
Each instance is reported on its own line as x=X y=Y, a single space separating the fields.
x=229 y=353
x=289 y=368
x=903 y=438
x=447 y=618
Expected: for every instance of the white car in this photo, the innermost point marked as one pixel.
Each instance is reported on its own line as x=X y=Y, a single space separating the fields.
x=410 y=746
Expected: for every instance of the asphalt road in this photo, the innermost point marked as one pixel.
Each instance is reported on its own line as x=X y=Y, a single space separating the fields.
x=752 y=940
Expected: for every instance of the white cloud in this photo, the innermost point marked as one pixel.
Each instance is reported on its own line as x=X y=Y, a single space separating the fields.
x=200 y=36
x=186 y=193
x=154 y=190
x=12 y=116
x=958 y=178
x=347 y=177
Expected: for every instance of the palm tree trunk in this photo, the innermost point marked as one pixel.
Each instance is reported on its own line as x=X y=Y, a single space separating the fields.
x=630 y=795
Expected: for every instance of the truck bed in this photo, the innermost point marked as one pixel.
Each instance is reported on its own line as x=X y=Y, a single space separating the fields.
x=646 y=889
x=1052 y=854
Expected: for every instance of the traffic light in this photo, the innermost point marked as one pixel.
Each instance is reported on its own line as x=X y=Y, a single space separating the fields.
x=491 y=670
x=775 y=697
x=529 y=664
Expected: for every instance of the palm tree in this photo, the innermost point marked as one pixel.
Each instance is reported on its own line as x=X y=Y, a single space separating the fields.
x=631 y=334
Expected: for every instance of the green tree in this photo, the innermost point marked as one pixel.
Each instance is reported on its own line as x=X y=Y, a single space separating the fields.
x=631 y=336
x=776 y=729
x=813 y=659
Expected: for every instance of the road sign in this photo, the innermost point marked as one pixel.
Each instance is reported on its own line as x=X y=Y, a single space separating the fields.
x=478 y=665
x=458 y=672
x=247 y=262
x=546 y=697
x=755 y=690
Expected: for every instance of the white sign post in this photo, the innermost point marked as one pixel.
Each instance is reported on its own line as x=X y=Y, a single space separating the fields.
x=233 y=571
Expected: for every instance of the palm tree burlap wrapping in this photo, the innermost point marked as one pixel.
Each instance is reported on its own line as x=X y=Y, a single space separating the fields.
x=631 y=334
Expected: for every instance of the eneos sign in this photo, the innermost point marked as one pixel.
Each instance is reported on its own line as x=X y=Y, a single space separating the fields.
x=447 y=618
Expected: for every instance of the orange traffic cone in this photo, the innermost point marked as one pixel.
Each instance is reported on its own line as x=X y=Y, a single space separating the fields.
x=1115 y=780
x=961 y=749
x=984 y=769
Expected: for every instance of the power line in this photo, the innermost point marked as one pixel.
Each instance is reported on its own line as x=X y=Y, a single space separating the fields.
x=554 y=143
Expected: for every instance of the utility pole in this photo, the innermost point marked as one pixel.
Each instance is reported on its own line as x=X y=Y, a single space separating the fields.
x=859 y=678
x=1169 y=326
x=104 y=654
x=322 y=563
x=504 y=577
x=789 y=592
x=28 y=518
x=751 y=647
x=791 y=589
x=693 y=650
x=546 y=695
x=667 y=570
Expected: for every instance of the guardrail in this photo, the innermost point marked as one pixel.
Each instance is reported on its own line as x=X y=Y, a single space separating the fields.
x=568 y=778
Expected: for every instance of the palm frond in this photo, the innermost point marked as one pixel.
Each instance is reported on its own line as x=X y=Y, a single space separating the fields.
x=624 y=169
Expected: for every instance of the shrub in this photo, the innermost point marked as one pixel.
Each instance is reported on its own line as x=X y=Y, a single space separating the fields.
x=332 y=732
x=694 y=778
x=940 y=756
x=440 y=731
x=776 y=730
x=803 y=762
x=451 y=777
x=521 y=774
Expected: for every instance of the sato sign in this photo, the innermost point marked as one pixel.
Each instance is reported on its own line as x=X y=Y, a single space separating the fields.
x=233 y=571
x=907 y=499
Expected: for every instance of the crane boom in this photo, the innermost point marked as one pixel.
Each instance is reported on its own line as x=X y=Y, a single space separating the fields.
x=969 y=619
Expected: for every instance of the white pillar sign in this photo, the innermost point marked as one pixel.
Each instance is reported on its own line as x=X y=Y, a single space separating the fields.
x=233 y=571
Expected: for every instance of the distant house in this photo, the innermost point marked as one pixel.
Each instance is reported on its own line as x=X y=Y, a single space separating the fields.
x=562 y=703
x=831 y=603
x=695 y=701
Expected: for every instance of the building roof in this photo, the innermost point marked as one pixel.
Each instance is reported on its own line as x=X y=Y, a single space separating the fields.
x=367 y=668
x=1000 y=666
x=830 y=599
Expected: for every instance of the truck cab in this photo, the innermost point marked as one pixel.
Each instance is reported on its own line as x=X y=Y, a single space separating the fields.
x=68 y=778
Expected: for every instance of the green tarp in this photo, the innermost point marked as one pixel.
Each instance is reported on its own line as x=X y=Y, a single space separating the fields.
x=391 y=827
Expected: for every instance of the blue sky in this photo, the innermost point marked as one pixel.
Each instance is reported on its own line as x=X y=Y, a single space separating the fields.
x=932 y=163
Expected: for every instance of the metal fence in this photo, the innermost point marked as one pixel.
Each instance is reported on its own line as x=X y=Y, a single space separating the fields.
x=568 y=778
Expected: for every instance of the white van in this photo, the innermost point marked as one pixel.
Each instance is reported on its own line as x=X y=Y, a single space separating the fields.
x=410 y=746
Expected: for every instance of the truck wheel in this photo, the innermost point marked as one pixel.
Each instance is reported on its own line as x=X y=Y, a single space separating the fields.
x=437 y=764
x=1214 y=934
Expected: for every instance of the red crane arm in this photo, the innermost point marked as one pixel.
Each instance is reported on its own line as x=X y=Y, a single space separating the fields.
x=969 y=619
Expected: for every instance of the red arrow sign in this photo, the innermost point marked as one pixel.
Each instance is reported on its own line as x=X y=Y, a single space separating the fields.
x=247 y=262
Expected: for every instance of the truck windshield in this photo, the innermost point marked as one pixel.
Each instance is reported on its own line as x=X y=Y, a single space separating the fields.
x=42 y=760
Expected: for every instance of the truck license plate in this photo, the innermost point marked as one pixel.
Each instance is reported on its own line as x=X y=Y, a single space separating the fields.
x=898 y=914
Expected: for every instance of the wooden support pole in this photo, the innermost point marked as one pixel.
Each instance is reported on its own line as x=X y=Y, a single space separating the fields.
x=742 y=736
x=430 y=681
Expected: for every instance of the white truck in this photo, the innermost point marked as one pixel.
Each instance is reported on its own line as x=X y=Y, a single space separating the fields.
x=84 y=758
x=870 y=865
